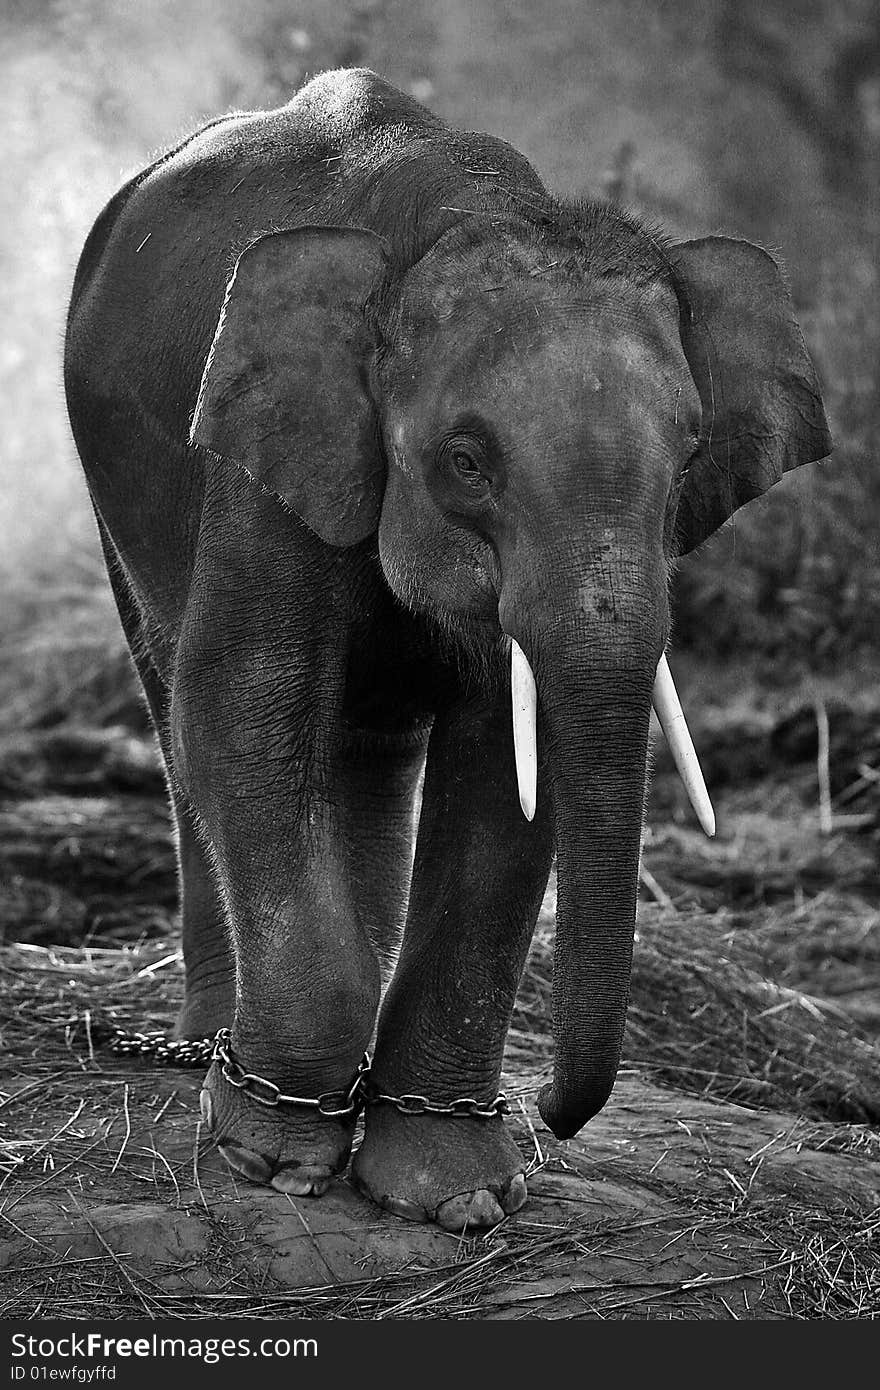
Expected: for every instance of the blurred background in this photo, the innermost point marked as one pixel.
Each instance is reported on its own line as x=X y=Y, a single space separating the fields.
x=759 y=118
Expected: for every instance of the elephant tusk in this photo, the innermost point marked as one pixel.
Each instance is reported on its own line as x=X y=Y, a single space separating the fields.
x=672 y=721
x=525 y=707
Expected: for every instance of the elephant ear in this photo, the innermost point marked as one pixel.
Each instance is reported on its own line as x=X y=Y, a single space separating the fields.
x=285 y=388
x=762 y=411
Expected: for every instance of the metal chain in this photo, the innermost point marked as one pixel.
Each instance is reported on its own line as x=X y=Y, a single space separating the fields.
x=331 y=1103
x=172 y=1052
x=196 y=1052
x=465 y=1106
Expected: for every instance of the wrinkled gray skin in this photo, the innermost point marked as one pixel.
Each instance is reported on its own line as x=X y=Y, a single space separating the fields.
x=439 y=410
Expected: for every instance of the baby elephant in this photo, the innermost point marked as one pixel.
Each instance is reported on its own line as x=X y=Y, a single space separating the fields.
x=379 y=433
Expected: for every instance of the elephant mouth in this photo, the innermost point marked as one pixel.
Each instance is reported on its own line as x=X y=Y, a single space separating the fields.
x=667 y=707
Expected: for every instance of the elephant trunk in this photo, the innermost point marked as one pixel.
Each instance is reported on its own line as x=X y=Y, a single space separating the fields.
x=596 y=743
x=594 y=670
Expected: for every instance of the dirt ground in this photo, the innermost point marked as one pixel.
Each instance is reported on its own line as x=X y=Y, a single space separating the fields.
x=675 y=1202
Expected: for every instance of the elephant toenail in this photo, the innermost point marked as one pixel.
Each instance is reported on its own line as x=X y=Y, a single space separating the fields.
x=484 y=1210
x=301 y=1181
x=469 y=1211
x=399 y=1206
x=206 y=1105
x=515 y=1195
x=252 y=1165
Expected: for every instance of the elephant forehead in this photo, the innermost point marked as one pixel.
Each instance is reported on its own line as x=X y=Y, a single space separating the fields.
x=526 y=352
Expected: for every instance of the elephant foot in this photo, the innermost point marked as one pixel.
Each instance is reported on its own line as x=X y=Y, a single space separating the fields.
x=464 y=1174
x=291 y=1150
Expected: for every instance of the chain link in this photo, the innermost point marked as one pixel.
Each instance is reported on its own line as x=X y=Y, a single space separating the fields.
x=333 y=1104
x=465 y=1106
x=196 y=1052
x=172 y=1052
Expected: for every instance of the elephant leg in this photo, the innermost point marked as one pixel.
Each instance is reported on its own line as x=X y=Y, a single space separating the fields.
x=256 y=729
x=209 y=963
x=209 y=966
x=378 y=780
x=479 y=874
x=307 y=975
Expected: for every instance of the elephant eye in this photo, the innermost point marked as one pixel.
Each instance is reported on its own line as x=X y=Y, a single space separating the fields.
x=467 y=465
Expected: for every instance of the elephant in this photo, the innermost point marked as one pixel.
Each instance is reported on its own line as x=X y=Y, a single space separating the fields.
x=380 y=436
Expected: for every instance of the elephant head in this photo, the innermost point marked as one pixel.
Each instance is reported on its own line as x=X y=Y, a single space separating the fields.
x=537 y=423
